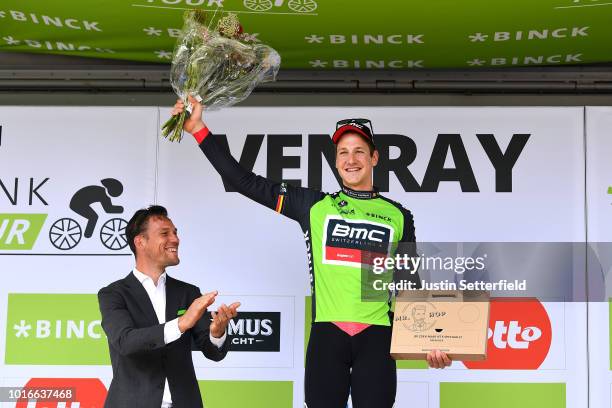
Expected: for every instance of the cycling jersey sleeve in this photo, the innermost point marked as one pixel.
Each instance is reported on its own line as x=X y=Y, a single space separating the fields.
x=407 y=245
x=293 y=202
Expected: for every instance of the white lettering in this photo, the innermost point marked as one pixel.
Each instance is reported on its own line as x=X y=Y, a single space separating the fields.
x=393 y=39
x=415 y=64
x=56 y=21
x=18 y=228
x=375 y=64
x=266 y=326
x=337 y=39
x=367 y=39
x=174 y=32
x=414 y=39
x=537 y=34
x=72 y=23
x=43 y=329
x=91 y=26
x=513 y=330
x=18 y=15
x=559 y=33
x=580 y=31
x=91 y=329
x=534 y=60
x=73 y=328
x=501 y=36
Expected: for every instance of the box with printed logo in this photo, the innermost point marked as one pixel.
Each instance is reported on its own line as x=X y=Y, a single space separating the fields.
x=455 y=322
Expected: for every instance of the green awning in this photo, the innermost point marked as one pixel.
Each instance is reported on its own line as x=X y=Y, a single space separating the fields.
x=338 y=34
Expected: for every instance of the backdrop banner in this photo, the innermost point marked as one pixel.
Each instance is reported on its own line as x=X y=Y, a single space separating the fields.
x=599 y=219
x=316 y=34
x=467 y=174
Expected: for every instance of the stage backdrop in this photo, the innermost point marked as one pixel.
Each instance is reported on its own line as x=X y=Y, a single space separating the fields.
x=449 y=166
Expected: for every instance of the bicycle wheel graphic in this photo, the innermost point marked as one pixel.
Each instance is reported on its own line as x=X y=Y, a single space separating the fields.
x=302 y=6
x=258 y=5
x=65 y=234
x=112 y=234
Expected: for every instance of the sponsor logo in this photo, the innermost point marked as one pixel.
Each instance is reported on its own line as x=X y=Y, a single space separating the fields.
x=341 y=207
x=66 y=233
x=520 y=335
x=296 y=6
x=347 y=212
x=346 y=242
x=49 y=329
x=255 y=331
x=366 y=39
x=53 y=21
x=380 y=217
x=529 y=35
x=87 y=393
x=20 y=231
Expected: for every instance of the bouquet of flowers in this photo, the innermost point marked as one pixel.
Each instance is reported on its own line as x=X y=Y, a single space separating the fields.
x=218 y=64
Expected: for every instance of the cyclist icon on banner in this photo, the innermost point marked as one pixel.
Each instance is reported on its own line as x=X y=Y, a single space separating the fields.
x=299 y=6
x=66 y=233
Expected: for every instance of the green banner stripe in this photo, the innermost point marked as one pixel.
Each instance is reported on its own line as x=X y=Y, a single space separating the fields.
x=316 y=34
x=20 y=231
x=252 y=394
x=502 y=395
x=51 y=329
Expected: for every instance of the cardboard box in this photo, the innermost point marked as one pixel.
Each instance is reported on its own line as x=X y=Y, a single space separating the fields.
x=455 y=322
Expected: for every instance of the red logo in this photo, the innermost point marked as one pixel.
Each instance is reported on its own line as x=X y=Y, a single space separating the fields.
x=88 y=392
x=519 y=335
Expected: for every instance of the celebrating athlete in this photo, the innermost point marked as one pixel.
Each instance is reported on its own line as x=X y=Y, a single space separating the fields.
x=348 y=349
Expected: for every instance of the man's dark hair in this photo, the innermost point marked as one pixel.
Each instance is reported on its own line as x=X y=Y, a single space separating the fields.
x=140 y=221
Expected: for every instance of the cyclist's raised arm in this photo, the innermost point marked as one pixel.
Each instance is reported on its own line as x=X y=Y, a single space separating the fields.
x=294 y=202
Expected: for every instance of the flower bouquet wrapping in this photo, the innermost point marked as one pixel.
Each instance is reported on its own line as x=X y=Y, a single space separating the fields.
x=218 y=64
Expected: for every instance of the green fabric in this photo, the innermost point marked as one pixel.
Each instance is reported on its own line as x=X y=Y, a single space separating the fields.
x=502 y=395
x=338 y=288
x=340 y=34
x=252 y=394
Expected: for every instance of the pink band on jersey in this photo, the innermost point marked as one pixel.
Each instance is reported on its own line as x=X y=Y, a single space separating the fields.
x=352 y=328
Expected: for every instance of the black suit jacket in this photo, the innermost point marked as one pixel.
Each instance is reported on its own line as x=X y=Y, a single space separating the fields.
x=140 y=359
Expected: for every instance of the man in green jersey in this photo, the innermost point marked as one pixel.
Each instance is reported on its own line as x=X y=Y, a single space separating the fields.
x=348 y=349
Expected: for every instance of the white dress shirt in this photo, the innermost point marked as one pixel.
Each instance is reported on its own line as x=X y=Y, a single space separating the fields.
x=157 y=294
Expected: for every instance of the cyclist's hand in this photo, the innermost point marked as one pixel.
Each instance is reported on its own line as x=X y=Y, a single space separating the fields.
x=194 y=122
x=438 y=359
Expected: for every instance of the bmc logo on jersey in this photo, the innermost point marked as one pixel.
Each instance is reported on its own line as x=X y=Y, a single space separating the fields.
x=352 y=242
x=520 y=335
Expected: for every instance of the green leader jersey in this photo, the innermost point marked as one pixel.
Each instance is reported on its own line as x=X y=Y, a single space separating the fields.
x=340 y=230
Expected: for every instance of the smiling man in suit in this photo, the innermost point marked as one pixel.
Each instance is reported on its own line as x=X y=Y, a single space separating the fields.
x=151 y=319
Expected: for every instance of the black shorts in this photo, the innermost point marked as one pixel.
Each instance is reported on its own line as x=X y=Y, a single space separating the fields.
x=338 y=364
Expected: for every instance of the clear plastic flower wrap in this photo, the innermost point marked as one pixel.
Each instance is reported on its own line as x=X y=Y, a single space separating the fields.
x=220 y=65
